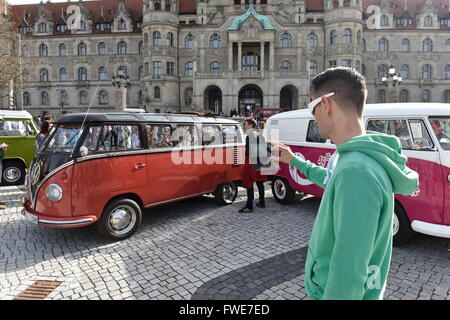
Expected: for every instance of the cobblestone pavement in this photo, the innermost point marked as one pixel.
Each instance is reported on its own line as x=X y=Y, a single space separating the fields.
x=195 y=249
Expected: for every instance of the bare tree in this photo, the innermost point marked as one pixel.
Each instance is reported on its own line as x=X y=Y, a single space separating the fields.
x=10 y=68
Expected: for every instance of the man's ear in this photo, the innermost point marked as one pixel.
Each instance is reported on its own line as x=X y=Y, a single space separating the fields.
x=327 y=105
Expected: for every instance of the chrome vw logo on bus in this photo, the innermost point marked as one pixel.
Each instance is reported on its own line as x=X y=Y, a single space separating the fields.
x=35 y=173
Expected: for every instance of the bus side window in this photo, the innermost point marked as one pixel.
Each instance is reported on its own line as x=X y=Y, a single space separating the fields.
x=313 y=134
x=211 y=135
x=420 y=136
x=91 y=142
x=120 y=138
x=230 y=134
x=159 y=136
x=184 y=136
x=380 y=126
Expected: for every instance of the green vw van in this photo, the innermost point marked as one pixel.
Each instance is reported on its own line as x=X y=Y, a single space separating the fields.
x=17 y=129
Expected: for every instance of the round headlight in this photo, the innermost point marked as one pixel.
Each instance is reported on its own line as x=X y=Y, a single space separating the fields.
x=54 y=192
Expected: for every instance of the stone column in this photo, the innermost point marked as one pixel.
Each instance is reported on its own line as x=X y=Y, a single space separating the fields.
x=262 y=58
x=239 y=56
x=271 y=55
x=230 y=57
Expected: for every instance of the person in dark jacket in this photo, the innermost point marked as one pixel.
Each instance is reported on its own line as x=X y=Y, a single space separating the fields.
x=250 y=175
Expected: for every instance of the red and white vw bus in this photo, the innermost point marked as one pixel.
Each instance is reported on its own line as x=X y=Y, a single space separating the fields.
x=107 y=168
x=424 y=132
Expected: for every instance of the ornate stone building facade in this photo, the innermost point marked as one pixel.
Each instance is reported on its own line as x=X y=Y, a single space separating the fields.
x=227 y=54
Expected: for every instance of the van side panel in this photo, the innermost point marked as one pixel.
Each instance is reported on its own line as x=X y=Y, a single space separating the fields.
x=445 y=161
x=426 y=203
x=298 y=181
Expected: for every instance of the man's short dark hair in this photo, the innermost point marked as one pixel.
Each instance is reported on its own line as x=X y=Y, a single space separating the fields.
x=251 y=122
x=348 y=85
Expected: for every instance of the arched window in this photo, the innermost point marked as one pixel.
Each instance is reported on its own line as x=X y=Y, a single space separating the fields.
x=43 y=50
x=82 y=49
x=384 y=21
x=157 y=6
x=43 y=75
x=313 y=40
x=335 y=4
x=215 y=67
x=428 y=21
x=188 y=93
x=382 y=96
x=102 y=74
x=364 y=46
x=141 y=72
x=168 y=9
x=122 y=47
x=427 y=72
x=141 y=47
x=62 y=74
x=312 y=68
x=189 y=41
x=426 y=95
x=333 y=37
x=447 y=72
x=189 y=69
x=404 y=96
x=82 y=74
x=146 y=40
x=122 y=25
x=156 y=38
x=26 y=99
x=382 y=70
x=103 y=97
x=347 y=3
x=45 y=100
x=383 y=45
x=170 y=39
x=83 y=97
x=347 y=36
x=446 y=96
x=62 y=49
x=214 y=41
x=286 y=40
x=157 y=93
x=447 y=45
x=405 y=47
x=404 y=71
x=285 y=66
x=42 y=28
x=102 y=48
x=427 y=45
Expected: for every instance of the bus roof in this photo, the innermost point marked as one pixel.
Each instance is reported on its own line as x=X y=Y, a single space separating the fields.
x=15 y=114
x=384 y=109
x=140 y=117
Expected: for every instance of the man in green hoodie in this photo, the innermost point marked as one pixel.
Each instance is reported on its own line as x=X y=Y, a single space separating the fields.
x=350 y=248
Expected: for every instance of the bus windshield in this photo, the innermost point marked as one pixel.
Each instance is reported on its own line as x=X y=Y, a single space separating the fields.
x=441 y=128
x=63 y=138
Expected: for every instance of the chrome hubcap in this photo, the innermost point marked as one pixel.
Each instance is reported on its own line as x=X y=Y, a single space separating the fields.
x=396 y=225
x=122 y=220
x=280 y=189
x=228 y=192
x=12 y=174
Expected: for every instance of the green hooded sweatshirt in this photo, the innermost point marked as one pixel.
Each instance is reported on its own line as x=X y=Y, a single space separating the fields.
x=350 y=248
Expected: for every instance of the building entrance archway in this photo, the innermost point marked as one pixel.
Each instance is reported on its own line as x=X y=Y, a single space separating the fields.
x=288 y=98
x=250 y=98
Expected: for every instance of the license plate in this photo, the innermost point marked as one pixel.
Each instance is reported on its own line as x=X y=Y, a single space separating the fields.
x=31 y=218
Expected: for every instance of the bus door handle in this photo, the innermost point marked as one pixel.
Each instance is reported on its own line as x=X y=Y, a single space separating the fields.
x=140 y=165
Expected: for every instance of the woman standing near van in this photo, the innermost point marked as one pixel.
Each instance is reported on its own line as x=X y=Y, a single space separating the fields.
x=250 y=175
x=45 y=128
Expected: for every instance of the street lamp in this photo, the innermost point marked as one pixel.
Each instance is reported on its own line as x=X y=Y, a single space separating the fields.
x=122 y=81
x=394 y=79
